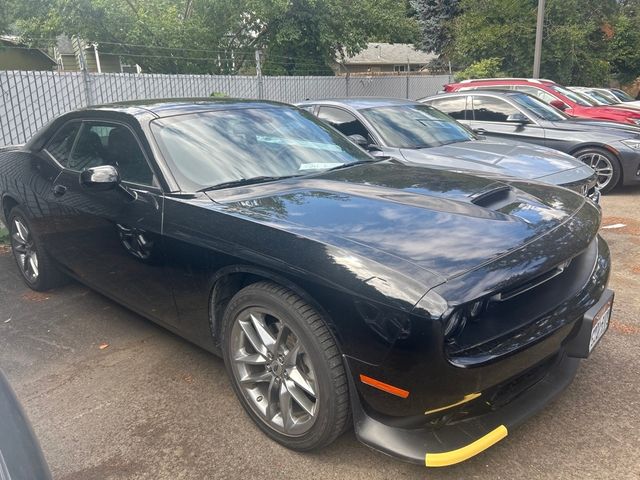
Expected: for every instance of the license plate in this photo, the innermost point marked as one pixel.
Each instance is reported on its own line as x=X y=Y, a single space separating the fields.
x=600 y=324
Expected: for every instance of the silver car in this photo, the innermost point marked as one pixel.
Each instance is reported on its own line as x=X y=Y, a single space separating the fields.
x=419 y=134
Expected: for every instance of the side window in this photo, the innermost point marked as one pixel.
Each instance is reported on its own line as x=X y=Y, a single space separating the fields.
x=487 y=109
x=60 y=145
x=455 y=107
x=343 y=121
x=536 y=92
x=110 y=144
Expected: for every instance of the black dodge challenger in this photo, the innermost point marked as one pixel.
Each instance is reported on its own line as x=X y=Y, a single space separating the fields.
x=432 y=310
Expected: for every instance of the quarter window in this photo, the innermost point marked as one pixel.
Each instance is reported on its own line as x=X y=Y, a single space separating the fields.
x=110 y=144
x=59 y=147
x=343 y=121
x=488 y=109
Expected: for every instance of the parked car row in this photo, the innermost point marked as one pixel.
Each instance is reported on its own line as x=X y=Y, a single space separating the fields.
x=432 y=290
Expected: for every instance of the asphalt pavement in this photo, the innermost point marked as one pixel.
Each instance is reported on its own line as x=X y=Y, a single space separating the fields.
x=113 y=396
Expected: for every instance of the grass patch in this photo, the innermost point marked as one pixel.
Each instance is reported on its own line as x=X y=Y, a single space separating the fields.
x=4 y=234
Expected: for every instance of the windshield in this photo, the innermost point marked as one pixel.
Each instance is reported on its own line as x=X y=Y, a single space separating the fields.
x=623 y=96
x=538 y=108
x=415 y=126
x=574 y=96
x=225 y=146
x=596 y=97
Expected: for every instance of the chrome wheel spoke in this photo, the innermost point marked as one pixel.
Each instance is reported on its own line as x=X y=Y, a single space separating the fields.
x=286 y=408
x=260 y=326
x=250 y=358
x=299 y=397
x=272 y=399
x=291 y=356
x=21 y=231
x=300 y=380
x=259 y=377
x=253 y=337
x=33 y=263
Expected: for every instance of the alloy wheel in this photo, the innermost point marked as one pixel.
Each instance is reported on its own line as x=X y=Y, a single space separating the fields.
x=24 y=250
x=274 y=372
x=602 y=166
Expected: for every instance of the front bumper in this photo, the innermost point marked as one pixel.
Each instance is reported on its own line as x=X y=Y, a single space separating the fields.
x=504 y=407
x=454 y=443
x=630 y=162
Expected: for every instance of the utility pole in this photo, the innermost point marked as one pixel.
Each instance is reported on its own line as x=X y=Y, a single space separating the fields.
x=538 y=49
x=259 y=73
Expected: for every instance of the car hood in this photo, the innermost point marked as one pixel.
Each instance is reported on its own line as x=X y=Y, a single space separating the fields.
x=624 y=130
x=615 y=110
x=408 y=218
x=502 y=158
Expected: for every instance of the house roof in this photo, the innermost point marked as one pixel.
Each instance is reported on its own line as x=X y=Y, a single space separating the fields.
x=389 y=53
x=15 y=41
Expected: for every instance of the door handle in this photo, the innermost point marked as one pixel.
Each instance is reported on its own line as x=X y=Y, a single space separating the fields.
x=480 y=131
x=59 y=190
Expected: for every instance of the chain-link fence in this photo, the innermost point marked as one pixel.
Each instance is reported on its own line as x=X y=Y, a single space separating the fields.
x=28 y=100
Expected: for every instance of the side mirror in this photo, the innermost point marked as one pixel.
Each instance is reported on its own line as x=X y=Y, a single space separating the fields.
x=559 y=104
x=104 y=178
x=519 y=117
x=100 y=179
x=359 y=140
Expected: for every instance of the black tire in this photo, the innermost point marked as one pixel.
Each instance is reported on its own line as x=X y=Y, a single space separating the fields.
x=332 y=415
x=48 y=276
x=588 y=154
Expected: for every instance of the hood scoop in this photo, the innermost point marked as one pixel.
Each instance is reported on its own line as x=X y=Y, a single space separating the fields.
x=495 y=198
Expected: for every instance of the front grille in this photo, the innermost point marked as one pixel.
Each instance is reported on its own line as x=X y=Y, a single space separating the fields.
x=524 y=314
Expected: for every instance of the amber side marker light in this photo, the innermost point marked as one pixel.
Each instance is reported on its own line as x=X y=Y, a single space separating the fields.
x=385 y=387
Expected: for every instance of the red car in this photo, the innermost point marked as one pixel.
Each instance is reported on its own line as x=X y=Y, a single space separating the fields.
x=560 y=97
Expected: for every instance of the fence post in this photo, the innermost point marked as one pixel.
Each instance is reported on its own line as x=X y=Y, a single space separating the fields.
x=259 y=73
x=348 y=75
x=408 y=74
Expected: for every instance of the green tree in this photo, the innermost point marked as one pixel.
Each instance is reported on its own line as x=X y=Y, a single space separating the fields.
x=624 y=53
x=485 y=68
x=575 y=46
x=434 y=18
x=298 y=36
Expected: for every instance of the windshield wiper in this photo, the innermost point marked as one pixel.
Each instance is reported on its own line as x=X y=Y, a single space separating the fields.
x=359 y=162
x=245 y=181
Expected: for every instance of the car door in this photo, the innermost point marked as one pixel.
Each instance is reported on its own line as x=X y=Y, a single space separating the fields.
x=491 y=117
x=112 y=240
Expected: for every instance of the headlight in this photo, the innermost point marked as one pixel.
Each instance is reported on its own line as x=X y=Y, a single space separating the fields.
x=461 y=315
x=635 y=144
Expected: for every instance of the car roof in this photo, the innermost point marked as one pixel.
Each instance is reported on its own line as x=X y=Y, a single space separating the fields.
x=485 y=91
x=538 y=81
x=175 y=106
x=360 y=103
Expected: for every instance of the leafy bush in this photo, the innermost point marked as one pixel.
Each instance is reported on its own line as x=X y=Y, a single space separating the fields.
x=485 y=68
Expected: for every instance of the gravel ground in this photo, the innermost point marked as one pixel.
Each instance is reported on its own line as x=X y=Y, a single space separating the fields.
x=152 y=406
